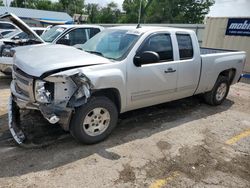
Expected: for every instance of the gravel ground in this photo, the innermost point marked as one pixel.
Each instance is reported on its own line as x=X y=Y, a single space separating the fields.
x=184 y=143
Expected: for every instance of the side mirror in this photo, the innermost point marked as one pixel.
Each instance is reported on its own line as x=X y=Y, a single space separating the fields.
x=64 y=41
x=146 y=57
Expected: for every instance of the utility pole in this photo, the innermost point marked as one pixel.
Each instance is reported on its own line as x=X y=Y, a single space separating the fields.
x=142 y=13
x=6 y=3
x=139 y=17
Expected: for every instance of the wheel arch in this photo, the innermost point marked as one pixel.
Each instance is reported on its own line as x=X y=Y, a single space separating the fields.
x=229 y=73
x=111 y=93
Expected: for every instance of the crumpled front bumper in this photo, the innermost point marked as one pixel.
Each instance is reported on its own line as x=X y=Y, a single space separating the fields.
x=18 y=102
x=14 y=121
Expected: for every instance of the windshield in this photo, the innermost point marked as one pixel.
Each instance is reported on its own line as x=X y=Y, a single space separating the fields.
x=111 y=43
x=11 y=34
x=52 y=34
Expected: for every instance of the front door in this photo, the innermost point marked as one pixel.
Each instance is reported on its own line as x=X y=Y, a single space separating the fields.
x=153 y=83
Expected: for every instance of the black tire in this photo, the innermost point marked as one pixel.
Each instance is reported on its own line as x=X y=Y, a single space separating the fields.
x=210 y=97
x=77 y=129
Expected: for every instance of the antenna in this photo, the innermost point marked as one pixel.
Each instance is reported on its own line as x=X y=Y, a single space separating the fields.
x=139 y=17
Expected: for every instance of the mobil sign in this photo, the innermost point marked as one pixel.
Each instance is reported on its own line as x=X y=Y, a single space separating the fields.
x=238 y=27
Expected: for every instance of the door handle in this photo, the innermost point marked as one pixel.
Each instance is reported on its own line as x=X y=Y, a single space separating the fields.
x=170 y=70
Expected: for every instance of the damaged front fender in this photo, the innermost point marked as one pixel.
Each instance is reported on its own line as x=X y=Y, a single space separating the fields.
x=71 y=89
x=82 y=90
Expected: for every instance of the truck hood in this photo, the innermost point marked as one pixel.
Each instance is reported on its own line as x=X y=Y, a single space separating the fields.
x=21 y=25
x=39 y=59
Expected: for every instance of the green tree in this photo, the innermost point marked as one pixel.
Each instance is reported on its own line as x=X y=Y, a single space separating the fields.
x=131 y=8
x=17 y=3
x=72 y=6
x=44 y=5
x=93 y=11
x=167 y=11
x=110 y=13
x=1 y=3
x=178 y=11
x=57 y=6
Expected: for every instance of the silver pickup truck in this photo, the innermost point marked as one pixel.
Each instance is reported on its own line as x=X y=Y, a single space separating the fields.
x=118 y=70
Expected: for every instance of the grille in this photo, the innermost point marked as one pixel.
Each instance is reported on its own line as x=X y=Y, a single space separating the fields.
x=23 y=83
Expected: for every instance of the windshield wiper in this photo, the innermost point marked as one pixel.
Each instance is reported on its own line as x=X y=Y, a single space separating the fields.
x=98 y=53
x=94 y=52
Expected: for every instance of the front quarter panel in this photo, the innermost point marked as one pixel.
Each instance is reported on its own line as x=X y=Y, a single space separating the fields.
x=110 y=78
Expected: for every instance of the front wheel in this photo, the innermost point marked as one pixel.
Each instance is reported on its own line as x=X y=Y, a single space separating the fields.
x=219 y=92
x=94 y=121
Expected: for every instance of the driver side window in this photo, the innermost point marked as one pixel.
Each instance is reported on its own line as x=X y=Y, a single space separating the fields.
x=161 y=44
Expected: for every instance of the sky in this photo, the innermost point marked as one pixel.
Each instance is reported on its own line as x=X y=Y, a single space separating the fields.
x=104 y=2
x=232 y=8
x=220 y=8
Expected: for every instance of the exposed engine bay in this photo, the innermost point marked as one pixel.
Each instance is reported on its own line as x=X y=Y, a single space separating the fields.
x=6 y=50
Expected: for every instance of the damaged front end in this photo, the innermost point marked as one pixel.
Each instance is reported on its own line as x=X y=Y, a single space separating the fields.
x=55 y=96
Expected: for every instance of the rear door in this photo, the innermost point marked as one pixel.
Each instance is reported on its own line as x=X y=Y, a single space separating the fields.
x=153 y=83
x=189 y=64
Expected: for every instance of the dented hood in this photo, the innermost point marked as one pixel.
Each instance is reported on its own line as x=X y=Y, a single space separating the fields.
x=21 y=25
x=39 y=59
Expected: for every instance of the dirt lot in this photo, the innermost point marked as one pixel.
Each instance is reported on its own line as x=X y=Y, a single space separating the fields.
x=185 y=143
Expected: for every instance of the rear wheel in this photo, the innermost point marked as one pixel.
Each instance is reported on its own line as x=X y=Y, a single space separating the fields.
x=94 y=121
x=219 y=92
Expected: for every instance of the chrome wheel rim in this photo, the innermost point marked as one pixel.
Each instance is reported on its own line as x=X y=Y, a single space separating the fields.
x=96 y=121
x=221 y=91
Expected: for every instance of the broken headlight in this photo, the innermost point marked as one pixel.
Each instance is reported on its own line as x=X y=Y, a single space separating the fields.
x=42 y=95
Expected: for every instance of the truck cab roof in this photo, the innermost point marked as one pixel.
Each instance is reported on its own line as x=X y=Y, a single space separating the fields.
x=144 y=29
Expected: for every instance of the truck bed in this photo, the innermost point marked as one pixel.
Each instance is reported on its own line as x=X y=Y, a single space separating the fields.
x=205 y=51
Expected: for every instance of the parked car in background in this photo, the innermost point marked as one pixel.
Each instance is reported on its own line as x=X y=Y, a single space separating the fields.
x=5 y=32
x=70 y=34
x=20 y=35
x=118 y=70
x=62 y=34
x=6 y=43
x=7 y=26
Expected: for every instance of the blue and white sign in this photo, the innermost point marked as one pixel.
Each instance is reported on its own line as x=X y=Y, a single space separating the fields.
x=238 y=27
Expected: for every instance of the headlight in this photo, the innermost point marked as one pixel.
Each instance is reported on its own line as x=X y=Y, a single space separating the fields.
x=41 y=93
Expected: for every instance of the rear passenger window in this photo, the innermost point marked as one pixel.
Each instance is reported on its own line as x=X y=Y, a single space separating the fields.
x=161 y=44
x=185 y=46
